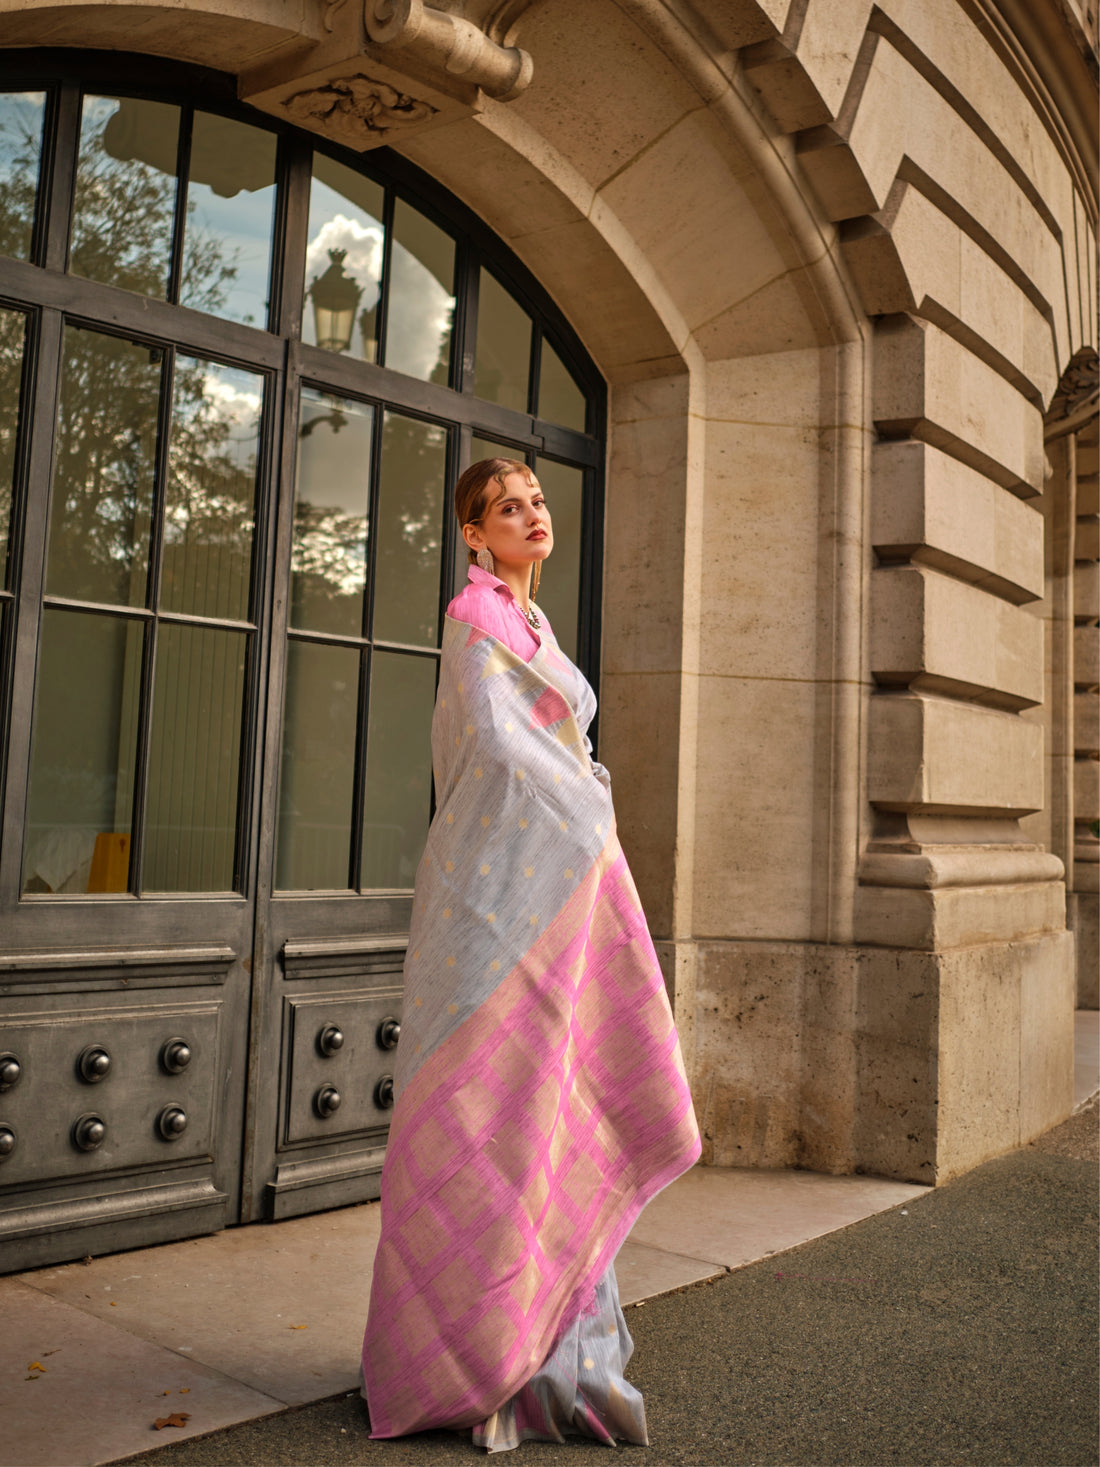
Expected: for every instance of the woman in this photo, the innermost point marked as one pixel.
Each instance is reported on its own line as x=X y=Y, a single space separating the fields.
x=541 y=1098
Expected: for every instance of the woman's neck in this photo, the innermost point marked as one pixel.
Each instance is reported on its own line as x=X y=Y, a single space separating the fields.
x=518 y=580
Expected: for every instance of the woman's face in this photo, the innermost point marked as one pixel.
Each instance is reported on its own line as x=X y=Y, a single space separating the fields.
x=516 y=526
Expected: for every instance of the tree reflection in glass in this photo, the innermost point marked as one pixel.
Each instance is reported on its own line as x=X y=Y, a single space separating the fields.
x=21 y=118
x=410 y=519
x=503 y=356
x=12 y=332
x=125 y=197
x=230 y=212
x=102 y=498
x=328 y=564
x=210 y=493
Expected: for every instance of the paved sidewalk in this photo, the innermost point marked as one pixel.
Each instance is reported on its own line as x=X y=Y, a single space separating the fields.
x=957 y=1331
x=236 y=1327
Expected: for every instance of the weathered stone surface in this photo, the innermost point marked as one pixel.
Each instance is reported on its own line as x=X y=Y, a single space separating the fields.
x=930 y=631
x=929 y=507
x=937 y=755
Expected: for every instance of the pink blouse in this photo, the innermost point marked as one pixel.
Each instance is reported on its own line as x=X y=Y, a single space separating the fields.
x=487 y=603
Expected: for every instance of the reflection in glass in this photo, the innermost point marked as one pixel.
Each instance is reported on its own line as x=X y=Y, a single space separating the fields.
x=210 y=493
x=399 y=768
x=230 y=210
x=21 y=147
x=12 y=332
x=21 y=117
x=328 y=559
x=345 y=212
x=560 y=399
x=503 y=359
x=194 y=759
x=420 y=301
x=82 y=754
x=410 y=518
x=560 y=586
x=125 y=198
x=103 y=472
x=313 y=847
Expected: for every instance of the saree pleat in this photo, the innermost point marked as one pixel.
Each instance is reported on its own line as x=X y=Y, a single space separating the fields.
x=541 y=1097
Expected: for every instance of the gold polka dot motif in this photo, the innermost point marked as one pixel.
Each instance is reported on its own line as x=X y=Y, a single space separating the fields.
x=485 y=821
x=521 y=774
x=478 y=773
x=452 y=1008
x=446 y=911
x=494 y=966
x=523 y=825
x=485 y=870
x=451 y=960
x=491 y=917
x=589 y=1362
x=450 y=817
x=564 y=824
x=450 y=865
x=528 y=871
x=569 y=873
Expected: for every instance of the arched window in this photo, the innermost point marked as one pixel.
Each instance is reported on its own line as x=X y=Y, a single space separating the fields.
x=240 y=372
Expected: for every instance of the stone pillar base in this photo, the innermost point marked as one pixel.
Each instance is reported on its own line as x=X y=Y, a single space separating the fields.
x=913 y=1065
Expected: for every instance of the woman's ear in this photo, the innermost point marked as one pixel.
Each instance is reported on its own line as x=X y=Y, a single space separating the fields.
x=473 y=536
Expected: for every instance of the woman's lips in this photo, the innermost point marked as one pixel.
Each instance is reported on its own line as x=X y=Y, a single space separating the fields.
x=537 y=535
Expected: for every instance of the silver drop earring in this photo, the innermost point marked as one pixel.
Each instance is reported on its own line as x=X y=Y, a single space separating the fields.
x=485 y=559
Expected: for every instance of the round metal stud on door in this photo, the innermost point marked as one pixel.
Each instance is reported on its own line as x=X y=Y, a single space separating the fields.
x=89 y=1132
x=389 y=1032
x=327 y=1101
x=383 y=1093
x=172 y=1122
x=7 y=1142
x=93 y=1064
x=175 y=1056
x=11 y=1071
x=330 y=1039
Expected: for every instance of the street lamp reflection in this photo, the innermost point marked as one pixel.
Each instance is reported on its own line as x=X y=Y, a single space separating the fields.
x=335 y=298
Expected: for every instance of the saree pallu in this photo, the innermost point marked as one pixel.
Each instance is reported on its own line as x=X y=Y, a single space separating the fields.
x=541 y=1096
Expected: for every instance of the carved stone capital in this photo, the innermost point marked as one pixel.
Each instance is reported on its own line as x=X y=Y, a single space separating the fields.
x=356 y=110
x=437 y=41
x=381 y=68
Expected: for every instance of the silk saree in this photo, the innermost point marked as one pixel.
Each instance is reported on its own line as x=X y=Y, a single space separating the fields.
x=541 y=1099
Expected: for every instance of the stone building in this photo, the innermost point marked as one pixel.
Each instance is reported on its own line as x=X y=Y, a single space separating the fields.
x=792 y=305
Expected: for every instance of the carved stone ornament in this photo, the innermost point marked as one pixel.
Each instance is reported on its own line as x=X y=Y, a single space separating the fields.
x=441 y=43
x=356 y=109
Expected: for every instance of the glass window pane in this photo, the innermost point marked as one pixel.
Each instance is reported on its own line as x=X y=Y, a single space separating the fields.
x=479 y=448
x=420 y=304
x=103 y=472
x=125 y=199
x=328 y=562
x=21 y=119
x=12 y=335
x=313 y=850
x=82 y=755
x=560 y=399
x=343 y=260
x=194 y=759
x=230 y=210
x=399 y=768
x=503 y=358
x=210 y=494
x=559 y=588
x=410 y=531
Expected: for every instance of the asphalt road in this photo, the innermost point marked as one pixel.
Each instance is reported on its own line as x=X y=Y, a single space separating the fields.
x=960 y=1329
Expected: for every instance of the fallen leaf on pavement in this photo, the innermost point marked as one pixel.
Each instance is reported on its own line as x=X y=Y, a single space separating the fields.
x=297 y=1326
x=177 y=1418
